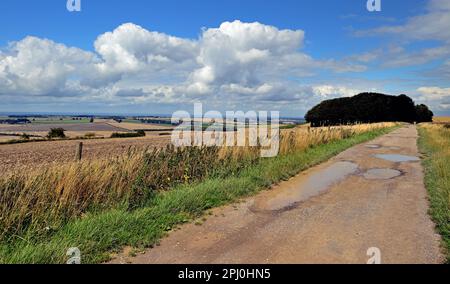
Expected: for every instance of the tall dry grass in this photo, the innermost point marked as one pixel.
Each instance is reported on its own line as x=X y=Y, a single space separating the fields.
x=435 y=144
x=304 y=137
x=40 y=201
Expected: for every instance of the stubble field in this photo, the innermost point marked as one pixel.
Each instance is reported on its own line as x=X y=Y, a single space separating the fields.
x=36 y=154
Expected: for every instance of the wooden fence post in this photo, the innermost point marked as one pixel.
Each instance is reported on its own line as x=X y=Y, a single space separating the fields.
x=79 y=153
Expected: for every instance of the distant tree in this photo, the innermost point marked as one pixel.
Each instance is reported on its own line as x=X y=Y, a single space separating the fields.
x=56 y=133
x=141 y=133
x=423 y=114
x=25 y=136
x=91 y=120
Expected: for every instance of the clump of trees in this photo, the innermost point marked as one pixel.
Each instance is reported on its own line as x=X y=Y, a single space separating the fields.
x=139 y=133
x=423 y=114
x=56 y=133
x=368 y=108
x=25 y=136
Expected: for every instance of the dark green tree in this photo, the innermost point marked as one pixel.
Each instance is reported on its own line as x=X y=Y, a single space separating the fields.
x=56 y=133
x=423 y=114
x=365 y=108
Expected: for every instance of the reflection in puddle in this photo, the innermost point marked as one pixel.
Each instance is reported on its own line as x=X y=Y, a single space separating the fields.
x=397 y=158
x=296 y=191
x=381 y=174
x=373 y=146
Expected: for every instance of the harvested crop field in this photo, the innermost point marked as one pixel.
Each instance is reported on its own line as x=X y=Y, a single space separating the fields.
x=103 y=128
x=35 y=154
x=6 y=138
x=141 y=126
x=80 y=127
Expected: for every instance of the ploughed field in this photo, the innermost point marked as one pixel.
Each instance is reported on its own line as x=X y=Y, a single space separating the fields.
x=68 y=127
x=35 y=154
x=101 y=129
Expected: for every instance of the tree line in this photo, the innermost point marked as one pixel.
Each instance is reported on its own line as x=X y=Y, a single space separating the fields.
x=368 y=108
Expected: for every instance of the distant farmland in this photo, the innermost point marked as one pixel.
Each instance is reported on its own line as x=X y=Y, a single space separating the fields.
x=40 y=153
x=81 y=127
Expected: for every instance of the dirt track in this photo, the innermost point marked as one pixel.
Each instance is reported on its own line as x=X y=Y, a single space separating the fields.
x=332 y=213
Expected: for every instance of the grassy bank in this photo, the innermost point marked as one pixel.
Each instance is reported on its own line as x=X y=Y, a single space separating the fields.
x=434 y=142
x=100 y=207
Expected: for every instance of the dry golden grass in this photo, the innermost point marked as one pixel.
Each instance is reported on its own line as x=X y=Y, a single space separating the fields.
x=42 y=199
x=46 y=197
x=439 y=135
x=441 y=119
x=304 y=137
x=8 y=138
x=435 y=143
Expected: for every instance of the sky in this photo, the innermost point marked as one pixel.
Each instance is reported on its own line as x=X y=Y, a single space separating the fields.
x=157 y=57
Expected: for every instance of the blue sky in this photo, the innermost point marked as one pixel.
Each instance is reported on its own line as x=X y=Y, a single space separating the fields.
x=231 y=55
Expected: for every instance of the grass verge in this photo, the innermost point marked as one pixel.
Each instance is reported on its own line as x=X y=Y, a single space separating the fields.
x=97 y=235
x=434 y=142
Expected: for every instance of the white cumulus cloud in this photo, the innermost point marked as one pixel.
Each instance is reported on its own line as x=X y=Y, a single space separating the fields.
x=236 y=63
x=40 y=67
x=434 y=93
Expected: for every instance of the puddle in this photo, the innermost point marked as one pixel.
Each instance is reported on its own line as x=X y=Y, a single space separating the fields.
x=397 y=158
x=373 y=146
x=382 y=174
x=303 y=188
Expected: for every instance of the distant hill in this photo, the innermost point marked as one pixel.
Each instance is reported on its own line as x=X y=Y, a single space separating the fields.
x=368 y=108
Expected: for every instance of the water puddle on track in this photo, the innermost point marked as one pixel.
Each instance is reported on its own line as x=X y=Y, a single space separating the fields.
x=397 y=158
x=382 y=174
x=373 y=146
x=296 y=191
x=376 y=146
